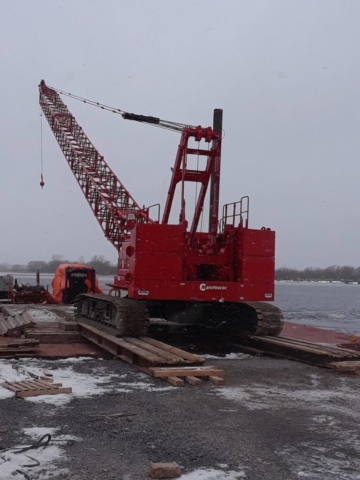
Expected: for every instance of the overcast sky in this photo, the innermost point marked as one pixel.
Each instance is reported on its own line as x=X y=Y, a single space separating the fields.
x=285 y=72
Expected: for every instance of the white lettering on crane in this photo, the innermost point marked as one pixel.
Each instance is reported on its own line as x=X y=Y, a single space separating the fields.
x=203 y=287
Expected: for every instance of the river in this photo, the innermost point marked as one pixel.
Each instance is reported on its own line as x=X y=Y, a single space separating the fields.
x=324 y=305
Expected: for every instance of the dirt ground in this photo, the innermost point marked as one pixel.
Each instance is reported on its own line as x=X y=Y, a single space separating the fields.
x=274 y=419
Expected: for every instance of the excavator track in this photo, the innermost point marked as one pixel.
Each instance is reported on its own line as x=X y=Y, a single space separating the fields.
x=121 y=317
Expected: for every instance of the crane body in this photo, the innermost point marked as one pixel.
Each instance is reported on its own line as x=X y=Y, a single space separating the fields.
x=176 y=271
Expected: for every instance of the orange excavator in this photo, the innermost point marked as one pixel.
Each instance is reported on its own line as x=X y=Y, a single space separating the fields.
x=71 y=280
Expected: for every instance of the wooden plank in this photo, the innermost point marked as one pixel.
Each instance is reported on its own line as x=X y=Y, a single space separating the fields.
x=193 y=380
x=167 y=356
x=27 y=342
x=186 y=372
x=310 y=346
x=54 y=336
x=11 y=386
x=35 y=393
x=69 y=326
x=48 y=384
x=346 y=364
x=329 y=347
x=349 y=367
x=305 y=347
x=27 y=317
x=88 y=332
x=216 y=380
x=23 y=386
x=175 y=381
x=176 y=351
x=40 y=385
x=29 y=384
x=17 y=349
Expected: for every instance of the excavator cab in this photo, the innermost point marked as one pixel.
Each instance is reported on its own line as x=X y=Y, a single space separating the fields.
x=71 y=280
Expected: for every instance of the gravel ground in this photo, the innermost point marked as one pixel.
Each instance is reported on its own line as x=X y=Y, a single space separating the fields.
x=274 y=419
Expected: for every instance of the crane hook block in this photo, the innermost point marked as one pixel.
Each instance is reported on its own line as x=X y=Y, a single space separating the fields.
x=42 y=183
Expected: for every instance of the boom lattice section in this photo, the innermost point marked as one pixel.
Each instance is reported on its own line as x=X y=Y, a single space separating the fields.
x=112 y=205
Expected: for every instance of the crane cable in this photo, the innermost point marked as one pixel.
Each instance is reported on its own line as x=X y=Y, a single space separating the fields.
x=154 y=121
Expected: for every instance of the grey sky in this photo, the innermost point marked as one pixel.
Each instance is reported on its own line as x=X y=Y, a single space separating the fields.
x=285 y=72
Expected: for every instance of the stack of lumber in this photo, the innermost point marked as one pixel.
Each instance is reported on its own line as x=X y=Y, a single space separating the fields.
x=155 y=358
x=18 y=348
x=34 y=388
x=143 y=352
x=54 y=332
x=351 y=367
x=193 y=375
x=302 y=350
x=15 y=322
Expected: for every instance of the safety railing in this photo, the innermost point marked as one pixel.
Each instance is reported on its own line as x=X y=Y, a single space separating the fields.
x=236 y=214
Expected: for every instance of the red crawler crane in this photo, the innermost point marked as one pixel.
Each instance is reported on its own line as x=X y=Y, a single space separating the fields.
x=173 y=271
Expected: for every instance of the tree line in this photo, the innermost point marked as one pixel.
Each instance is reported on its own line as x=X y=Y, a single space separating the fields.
x=333 y=273
x=105 y=267
x=98 y=262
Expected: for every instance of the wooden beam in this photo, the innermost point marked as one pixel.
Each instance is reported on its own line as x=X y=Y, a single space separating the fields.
x=176 y=351
x=167 y=356
x=175 y=381
x=217 y=380
x=36 y=393
x=193 y=380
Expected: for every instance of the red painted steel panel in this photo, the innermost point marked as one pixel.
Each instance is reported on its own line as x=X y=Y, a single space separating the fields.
x=157 y=265
x=200 y=291
x=257 y=269
x=258 y=242
x=159 y=238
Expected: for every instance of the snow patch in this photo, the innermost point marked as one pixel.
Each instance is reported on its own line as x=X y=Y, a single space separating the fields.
x=148 y=387
x=12 y=463
x=43 y=315
x=212 y=474
x=258 y=396
x=229 y=356
x=98 y=382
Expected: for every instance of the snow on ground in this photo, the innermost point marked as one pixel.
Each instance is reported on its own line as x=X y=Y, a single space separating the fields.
x=261 y=396
x=326 y=402
x=83 y=385
x=40 y=463
x=229 y=356
x=212 y=474
x=42 y=315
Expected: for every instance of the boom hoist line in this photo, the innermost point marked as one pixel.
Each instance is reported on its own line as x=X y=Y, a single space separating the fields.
x=112 y=205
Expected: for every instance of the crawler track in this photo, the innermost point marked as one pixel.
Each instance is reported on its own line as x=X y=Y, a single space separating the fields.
x=126 y=317
x=267 y=319
x=122 y=317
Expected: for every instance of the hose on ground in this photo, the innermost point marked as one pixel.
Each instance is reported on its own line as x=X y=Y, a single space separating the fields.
x=42 y=442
